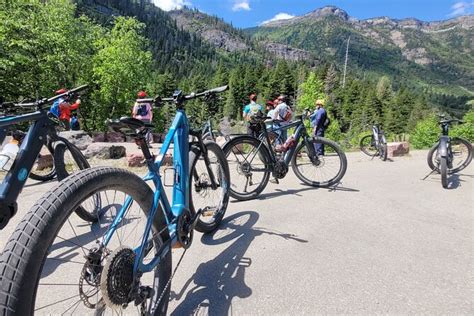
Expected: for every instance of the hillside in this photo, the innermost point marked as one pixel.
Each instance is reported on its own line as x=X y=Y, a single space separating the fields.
x=435 y=55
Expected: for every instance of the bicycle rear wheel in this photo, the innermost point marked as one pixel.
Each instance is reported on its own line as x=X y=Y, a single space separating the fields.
x=249 y=165
x=462 y=155
x=368 y=146
x=68 y=159
x=319 y=170
x=52 y=263
x=202 y=196
x=44 y=169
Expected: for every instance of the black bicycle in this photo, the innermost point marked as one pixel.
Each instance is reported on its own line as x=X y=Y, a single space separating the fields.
x=374 y=144
x=450 y=154
x=41 y=135
x=316 y=161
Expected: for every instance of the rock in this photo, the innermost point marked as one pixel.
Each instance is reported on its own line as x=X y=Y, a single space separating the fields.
x=104 y=151
x=110 y=137
x=135 y=159
x=44 y=161
x=78 y=138
x=398 y=149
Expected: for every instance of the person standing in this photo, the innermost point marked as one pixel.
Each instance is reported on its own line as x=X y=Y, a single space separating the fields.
x=61 y=108
x=283 y=115
x=250 y=110
x=143 y=111
x=318 y=120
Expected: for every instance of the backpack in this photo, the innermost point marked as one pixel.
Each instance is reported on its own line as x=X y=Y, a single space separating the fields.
x=287 y=114
x=55 y=110
x=142 y=109
x=327 y=122
x=75 y=126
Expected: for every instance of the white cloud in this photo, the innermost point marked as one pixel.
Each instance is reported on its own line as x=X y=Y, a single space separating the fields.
x=168 y=5
x=462 y=7
x=241 y=5
x=278 y=17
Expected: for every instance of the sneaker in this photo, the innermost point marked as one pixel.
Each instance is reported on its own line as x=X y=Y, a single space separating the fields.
x=274 y=180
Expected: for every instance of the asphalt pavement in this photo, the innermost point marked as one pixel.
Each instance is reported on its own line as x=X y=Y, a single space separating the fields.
x=383 y=241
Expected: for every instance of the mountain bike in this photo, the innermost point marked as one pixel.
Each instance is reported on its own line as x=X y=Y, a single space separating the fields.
x=53 y=264
x=41 y=136
x=375 y=144
x=450 y=154
x=316 y=161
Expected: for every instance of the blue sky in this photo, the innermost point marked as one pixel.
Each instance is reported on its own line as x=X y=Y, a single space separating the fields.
x=248 y=13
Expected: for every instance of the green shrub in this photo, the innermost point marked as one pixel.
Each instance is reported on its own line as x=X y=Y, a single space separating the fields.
x=426 y=133
x=465 y=130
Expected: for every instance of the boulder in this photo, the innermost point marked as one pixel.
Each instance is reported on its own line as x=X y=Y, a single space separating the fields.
x=44 y=161
x=135 y=159
x=104 y=151
x=396 y=149
x=78 y=138
x=110 y=137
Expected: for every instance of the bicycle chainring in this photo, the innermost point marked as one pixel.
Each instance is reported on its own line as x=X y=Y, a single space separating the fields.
x=280 y=169
x=185 y=230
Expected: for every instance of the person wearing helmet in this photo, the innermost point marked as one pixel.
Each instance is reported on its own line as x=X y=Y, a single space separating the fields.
x=318 y=119
x=61 y=108
x=143 y=111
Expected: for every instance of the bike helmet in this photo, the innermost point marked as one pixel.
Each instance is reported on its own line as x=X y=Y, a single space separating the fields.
x=142 y=94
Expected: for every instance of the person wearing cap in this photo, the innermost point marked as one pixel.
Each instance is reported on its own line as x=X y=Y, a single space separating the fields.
x=251 y=110
x=317 y=123
x=143 y=111
x=61 y=108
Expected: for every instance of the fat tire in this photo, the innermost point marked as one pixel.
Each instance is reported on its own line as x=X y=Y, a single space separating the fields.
x=25 y=252
x=443 y=166
x=337 y=149
x=264 y=154
x=59 y=151
x=46 y=177
x=362 y=147
x=383 y=154
x=194 y=155
x=466 y=163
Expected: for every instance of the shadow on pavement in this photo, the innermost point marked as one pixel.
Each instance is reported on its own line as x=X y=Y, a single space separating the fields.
x=215 y=283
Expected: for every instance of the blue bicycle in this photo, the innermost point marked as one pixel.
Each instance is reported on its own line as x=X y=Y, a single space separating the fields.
x=55 y=263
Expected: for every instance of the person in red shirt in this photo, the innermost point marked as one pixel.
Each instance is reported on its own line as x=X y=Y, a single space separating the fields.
x=65 y=109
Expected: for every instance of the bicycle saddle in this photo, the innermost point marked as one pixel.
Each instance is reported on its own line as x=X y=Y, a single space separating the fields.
x=128 y=122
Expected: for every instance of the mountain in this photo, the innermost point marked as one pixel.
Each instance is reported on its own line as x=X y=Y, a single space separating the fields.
x=434 y=55
x=227 y=38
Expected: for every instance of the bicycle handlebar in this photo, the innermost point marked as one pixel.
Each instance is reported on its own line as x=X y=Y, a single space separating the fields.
x=193 y=95
x=44 y=101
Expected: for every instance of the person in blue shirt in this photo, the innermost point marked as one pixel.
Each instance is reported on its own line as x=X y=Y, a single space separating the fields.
x=251 y=110
x=318 y=118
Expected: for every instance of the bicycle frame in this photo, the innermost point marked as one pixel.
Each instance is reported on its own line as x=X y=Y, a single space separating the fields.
x=179 y=135
x=299 y=132
x=15 y=179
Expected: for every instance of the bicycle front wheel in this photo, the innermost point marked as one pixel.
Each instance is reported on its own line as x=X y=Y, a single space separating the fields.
x=249 y=165
x=319 y=170
x=443 y=167
x=383 y=151
x=462 y=155
x=44 y=169
x=55 y=263
x=368 y=146
x=212 y=201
